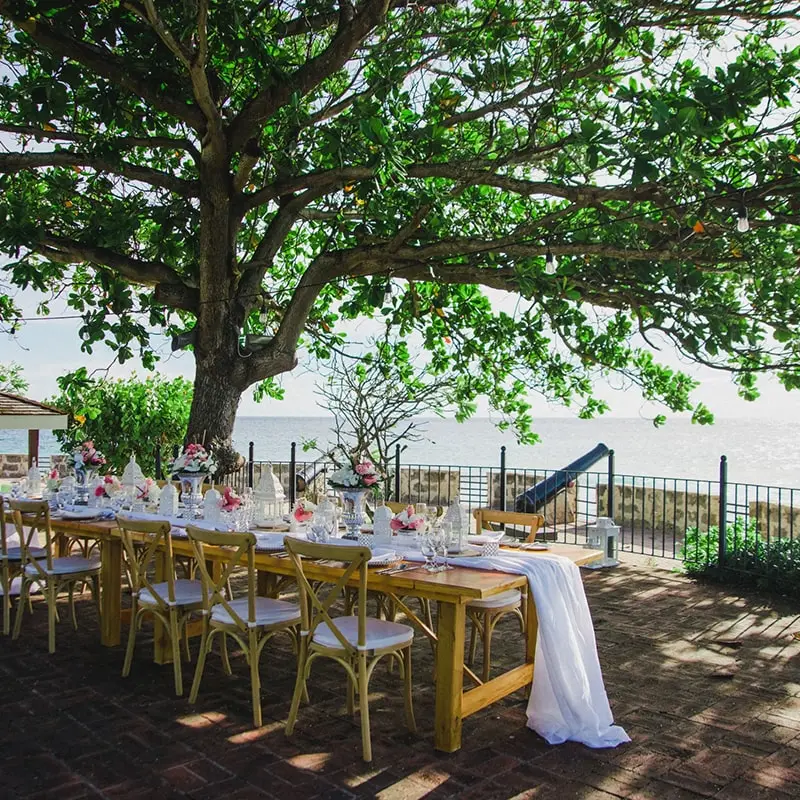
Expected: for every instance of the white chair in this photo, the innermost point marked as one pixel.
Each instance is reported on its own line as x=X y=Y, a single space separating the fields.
x=52 y=574
x=251 y=621
x=356 y=642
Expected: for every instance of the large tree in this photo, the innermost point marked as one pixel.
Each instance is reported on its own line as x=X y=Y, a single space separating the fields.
x=253 y=173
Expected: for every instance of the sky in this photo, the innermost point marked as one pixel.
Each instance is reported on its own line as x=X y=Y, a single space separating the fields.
x=50 y=347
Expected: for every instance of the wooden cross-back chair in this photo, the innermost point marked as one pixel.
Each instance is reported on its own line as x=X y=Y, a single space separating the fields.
x=357 y=642
x=251 y=620
x=490 y=519
x=485 y=614
x=10 y=565
x=52 y=574
x=148 y=544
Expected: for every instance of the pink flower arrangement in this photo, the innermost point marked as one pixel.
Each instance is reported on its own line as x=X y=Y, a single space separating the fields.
x=87 y=455
x=109 y=487
x=358 y=476
x=53 y=476
x=194 y=458
x=147 y=489
x=230 y=500
x=407 y=520
x=303 y=511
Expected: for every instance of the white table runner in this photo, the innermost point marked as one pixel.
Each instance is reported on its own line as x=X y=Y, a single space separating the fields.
x=568 y=698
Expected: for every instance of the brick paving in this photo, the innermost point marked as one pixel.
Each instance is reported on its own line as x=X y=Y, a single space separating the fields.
x=706 y=682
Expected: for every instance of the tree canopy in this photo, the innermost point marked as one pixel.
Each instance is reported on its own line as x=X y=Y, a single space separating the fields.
x=255 y=174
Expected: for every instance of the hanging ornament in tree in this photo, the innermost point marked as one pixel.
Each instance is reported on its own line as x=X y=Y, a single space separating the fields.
x=742 y=223
x=550 y=263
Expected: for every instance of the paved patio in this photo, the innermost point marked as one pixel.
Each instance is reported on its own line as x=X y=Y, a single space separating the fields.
x=706 y=683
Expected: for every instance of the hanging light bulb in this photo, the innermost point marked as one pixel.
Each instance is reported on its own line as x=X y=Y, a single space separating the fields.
x=387 y=293
x=263 y=317
x=742 y=223
x=550 y=263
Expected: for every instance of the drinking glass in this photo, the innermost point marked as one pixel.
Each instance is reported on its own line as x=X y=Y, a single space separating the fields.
x=421 y=509
x=428 y=549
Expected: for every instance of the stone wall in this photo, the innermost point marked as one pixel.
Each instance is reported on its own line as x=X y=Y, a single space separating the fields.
x=561 y=509
x=777 y=520
x=13 y=465
x=651 y=508
x=433 y=485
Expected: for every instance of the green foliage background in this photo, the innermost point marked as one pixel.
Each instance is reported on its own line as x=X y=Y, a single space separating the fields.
x=124 y=417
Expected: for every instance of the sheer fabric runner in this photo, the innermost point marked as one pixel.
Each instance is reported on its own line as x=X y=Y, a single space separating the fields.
x=568 y=698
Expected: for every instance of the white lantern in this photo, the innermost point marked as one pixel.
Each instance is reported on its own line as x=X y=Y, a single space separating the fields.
x=269 y=497
x=132 y=476
x=603 y=535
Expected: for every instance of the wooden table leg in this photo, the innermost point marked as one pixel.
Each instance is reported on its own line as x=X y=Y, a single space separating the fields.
x=267 y=584
x=111 y=590
x=449 y=676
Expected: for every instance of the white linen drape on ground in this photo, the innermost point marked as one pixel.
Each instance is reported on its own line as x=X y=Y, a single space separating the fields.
x=568 y=698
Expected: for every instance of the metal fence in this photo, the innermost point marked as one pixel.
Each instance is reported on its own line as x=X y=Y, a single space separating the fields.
x=750 y=529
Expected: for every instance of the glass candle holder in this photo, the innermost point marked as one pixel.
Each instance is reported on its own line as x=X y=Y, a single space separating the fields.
x=490 y=549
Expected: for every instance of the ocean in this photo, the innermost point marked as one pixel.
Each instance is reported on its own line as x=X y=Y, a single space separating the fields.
x=759 y=451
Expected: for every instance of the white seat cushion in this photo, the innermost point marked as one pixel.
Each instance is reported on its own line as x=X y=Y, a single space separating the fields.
x=66 y=566
x=16 y=588
x=15 y=553
x=268 y=612
x=187 y=593
x=510 y=598
x=380 y=633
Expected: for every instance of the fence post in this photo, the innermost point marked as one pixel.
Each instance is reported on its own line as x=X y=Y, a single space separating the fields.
x=293 y=475
x=503 y=478
x=723 y=510
x=159 y=473
x=250 y=452
x=611 y=484
x=397 y=473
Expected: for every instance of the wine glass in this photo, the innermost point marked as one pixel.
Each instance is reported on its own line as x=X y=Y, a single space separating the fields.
x=440 y=542
x=428 y=549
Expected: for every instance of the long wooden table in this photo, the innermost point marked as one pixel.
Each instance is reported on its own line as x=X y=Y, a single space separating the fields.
x=452 y=590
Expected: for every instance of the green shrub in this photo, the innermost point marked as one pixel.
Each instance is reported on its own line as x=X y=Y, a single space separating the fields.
x=771 y=564
x=124 y=417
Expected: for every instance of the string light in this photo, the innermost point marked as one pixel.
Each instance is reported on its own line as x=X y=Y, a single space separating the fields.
x=550 y=263
x=387 y=293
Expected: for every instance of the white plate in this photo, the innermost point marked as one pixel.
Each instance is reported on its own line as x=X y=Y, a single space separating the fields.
x=485 y=538
x=385 y=557
x=534 y=546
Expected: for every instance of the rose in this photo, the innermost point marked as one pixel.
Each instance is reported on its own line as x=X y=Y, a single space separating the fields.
x=365 y=468
x=303 y=511
x=369 y=480
x=230 y=500
x=407 y=520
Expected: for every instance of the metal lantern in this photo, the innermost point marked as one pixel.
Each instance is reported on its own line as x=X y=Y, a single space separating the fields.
x=603 y=535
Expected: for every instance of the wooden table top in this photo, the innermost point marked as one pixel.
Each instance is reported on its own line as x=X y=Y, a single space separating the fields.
x=458 y=582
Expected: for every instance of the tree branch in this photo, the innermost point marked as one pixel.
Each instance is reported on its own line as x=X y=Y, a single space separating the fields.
x=105 y=64
x=341 y=47
x=13 y=162
x=71 y=251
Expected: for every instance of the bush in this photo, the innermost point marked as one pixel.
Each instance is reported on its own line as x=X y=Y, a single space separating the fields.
x=772 y=564
x=124 y=417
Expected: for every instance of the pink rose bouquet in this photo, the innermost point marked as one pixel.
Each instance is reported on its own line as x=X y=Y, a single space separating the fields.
x=87 y=455
x=109 y=487
x=407 y=520
x=303 y=511
x=360 y=475
x=230 y=500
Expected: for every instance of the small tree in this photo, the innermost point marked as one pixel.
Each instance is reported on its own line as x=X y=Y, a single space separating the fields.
x=11 y=379
x=124 y=417
x=376 y=400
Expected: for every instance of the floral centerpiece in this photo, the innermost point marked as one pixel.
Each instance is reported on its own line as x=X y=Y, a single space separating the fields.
x=88 y=457
x=53 y=480
x=303 y=510
x=110 y=487
x=407 y=521
x=230 y=500
x=194 y=459
x=358 y=475
x=148 y=492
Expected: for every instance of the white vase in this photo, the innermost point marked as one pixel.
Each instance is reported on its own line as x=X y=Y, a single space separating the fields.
x=192 y=498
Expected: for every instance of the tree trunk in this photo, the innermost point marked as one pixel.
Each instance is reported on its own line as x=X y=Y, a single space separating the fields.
x=214 y=405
